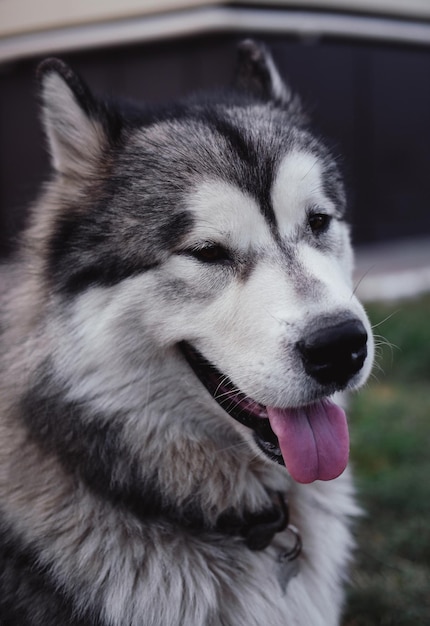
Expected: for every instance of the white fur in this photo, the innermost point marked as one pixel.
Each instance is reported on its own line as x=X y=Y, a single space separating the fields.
x=298 y=186
x=226 y=215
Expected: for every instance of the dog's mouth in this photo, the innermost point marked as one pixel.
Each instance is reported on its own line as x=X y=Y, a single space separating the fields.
x=312 y=440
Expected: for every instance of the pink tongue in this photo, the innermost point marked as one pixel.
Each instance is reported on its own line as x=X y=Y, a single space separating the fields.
x=314 y=440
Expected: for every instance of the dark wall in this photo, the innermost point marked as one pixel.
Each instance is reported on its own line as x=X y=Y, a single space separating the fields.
x=372 y=101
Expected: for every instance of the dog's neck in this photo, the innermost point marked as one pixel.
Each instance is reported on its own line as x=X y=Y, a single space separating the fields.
x=99 y=443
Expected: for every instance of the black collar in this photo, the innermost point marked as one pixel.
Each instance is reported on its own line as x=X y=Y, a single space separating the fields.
x=257 y=529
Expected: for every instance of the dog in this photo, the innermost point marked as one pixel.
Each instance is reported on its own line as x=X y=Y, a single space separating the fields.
x=175 y=325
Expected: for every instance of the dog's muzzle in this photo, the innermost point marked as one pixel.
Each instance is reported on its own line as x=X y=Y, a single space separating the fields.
x=311 y=439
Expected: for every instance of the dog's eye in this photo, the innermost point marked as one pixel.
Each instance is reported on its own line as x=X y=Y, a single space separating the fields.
x=319 y=222
x=210 y=253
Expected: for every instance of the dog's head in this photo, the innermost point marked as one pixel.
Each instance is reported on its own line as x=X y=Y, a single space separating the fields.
x=214 y=229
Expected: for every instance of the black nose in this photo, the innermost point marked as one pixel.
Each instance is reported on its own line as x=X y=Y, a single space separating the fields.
x=332 y=354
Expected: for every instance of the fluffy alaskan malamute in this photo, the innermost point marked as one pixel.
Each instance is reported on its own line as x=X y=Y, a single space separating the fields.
x=178 y=319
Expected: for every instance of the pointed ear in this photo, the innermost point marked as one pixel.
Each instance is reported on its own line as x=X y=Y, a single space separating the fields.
x=72 y=118
x=256 y=72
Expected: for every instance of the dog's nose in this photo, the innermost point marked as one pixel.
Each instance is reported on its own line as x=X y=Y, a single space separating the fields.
x=332 y=354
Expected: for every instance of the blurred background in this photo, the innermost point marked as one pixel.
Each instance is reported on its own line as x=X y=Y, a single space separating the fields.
x=363 y=70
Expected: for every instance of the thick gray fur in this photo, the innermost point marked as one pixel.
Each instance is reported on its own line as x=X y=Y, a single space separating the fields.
x=116 y=464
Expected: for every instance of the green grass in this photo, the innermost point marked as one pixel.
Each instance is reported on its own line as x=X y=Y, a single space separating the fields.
x=390 y=449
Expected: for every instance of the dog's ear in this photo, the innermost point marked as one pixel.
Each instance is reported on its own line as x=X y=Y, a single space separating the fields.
x=73 y=119
x=256 y=72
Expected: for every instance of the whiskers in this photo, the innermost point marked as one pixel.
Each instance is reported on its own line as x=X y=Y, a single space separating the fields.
x=228 y=396
x=360 y=280
x=222 y=385
x=381 y=342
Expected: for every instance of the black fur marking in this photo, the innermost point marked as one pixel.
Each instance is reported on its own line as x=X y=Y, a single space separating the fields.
x=256 y=174
x=28 y=595
x=86 y=445
x=104 y=274
x=98 y=249
x=92 y=449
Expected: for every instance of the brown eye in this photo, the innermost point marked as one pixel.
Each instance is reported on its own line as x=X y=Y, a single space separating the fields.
x=211 y=253
x=319 y=222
